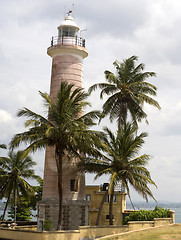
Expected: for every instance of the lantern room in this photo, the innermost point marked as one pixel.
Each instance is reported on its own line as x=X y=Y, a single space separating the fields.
x=68 y=33
x=68 y=28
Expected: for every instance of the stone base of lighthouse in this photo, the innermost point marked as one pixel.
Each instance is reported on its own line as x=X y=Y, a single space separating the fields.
x=74 y=214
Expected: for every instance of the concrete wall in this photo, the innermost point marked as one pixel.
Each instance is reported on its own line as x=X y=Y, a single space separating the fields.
x=99 y=231
x=135 y=225
x=15 y=234
x=84 y=232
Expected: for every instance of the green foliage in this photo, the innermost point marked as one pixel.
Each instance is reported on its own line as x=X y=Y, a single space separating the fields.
x=127 y=91
x=147 y=215
x=23 y=211
x=14 y=170
x=3 y=146
x=38 y=193
x=65 y=128
x=121 y=161
x=47 y=226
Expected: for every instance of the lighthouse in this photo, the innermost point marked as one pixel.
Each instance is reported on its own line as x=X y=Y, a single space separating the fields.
x=67 y=51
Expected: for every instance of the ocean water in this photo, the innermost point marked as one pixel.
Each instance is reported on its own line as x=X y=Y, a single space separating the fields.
x=177 y=214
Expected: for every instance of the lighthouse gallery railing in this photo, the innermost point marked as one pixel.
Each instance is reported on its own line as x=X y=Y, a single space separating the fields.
x=64 y=40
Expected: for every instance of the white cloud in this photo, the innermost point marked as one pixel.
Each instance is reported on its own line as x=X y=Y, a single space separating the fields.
x=5 y=117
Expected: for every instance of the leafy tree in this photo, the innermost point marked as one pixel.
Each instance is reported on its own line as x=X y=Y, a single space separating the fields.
x=121 y=161
x=3 y=146
x=38 y=193
x=15 y=169
x=23 y=210
x=65 y=129
x=127 y=91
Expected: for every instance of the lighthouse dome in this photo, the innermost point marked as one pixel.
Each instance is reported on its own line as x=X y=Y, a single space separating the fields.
x=68 y=22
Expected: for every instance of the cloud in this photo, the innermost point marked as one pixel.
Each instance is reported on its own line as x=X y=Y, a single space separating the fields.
x=6 y=126
x=5 y=117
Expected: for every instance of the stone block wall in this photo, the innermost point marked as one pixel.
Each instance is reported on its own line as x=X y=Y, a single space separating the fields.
x=74 y=214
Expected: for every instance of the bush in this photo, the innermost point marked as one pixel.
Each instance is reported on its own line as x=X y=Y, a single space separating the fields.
x=147 y=215
x=48 y=225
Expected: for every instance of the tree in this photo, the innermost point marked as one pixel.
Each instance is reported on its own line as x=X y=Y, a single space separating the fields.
x=121 y=161
x=65 y=129
x=23 y=210
x=3 y=146
x=14 y=170
x=38 y=193
x=127 y=91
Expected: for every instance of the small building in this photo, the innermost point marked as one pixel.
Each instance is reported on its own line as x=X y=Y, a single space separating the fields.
x=94 y=195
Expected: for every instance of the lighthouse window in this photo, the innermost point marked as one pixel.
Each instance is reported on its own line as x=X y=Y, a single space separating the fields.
x=74 y=185
x=68 y=32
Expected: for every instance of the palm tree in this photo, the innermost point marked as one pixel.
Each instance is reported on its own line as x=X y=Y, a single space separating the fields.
x=127 y=91
x=65 y=128
x=3 y=146
x=121 y=161
x=14 y=170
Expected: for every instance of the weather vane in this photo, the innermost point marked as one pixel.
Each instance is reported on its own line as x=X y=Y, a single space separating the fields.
x=70 y=11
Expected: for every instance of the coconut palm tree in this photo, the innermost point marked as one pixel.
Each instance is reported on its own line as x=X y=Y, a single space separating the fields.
x=121 y=162
x=128 y=90
x=3 y=146
x=14 y=171
x=65 y=129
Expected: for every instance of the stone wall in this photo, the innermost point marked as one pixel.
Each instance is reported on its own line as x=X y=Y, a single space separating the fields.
x=74 y=214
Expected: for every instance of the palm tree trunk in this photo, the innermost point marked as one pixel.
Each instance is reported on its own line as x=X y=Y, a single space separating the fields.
x=131 y=202
x=111 y=207
x=100 y=208
x=122 y=116
x=15 y=205
x=58 y=156
x=6 y=206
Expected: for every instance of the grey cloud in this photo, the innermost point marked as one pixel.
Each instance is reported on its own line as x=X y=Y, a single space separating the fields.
x=172 y=129
x=116 y=18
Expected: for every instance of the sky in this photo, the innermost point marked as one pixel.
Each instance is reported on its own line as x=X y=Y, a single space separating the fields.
x=114 y=30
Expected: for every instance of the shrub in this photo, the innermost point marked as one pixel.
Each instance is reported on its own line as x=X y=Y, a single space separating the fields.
x=147 y=215
x=48 y=225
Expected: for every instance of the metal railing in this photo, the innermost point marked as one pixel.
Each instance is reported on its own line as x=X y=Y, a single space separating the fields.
x=64 y=40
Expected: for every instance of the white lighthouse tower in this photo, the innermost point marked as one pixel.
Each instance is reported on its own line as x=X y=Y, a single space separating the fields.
x=67 y=51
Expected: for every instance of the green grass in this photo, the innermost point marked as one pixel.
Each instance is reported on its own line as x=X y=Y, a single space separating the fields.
x=172 y=232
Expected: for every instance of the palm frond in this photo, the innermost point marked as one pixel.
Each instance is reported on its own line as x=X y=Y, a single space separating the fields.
x=3 y=146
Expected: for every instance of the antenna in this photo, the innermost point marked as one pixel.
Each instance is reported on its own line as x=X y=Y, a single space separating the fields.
x=83 y=30
x=64 y=11
x=73 y=10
